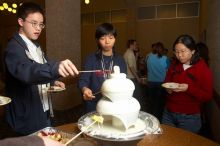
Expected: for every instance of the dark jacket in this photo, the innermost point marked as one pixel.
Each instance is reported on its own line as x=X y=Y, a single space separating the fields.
x=94 y=80
x=25 y=113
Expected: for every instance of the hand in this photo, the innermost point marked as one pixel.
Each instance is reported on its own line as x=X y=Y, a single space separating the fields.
x=60 y=84
x=87 y=94
x=67 y=68
x=181 y=88
x=170 y=91
x=50 y=142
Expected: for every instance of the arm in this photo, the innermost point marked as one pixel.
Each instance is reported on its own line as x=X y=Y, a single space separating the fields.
x=85 y=80
x=29 y=140
x=29 y=72
x=203 y=90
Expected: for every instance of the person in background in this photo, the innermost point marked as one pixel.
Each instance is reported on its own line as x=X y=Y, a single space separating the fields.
x=141 y=69
x=30 y=140
x=195 y=86
x=157 y=65
x=131 y=63
x=104 y=59
x=203 y=52
x=29 y=73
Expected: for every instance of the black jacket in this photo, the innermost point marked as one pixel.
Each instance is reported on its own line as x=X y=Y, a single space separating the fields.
x=25 y=113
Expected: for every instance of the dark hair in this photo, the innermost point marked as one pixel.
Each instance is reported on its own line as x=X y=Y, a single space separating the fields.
x=203 y=51
x=101 y=30
x=27 y=8
x=105 y=29
x=189 y=42
x=130 y=42
x=158 y=49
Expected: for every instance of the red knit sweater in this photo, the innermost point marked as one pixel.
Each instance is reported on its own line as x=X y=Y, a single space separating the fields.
x=200 y=87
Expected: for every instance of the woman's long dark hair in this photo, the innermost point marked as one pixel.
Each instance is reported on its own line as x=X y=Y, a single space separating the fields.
x=101 y=30
x=203 y=51
x=189 y=42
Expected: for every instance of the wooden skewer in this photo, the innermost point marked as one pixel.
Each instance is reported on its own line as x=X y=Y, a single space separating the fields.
x=96 y=93
x=90 y=71
x=79 y=133
x=81 y=71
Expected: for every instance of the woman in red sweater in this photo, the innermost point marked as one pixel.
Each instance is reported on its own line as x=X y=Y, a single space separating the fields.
x=195 y=86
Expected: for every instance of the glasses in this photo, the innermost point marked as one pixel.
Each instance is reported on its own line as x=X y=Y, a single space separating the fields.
x=181 y=52
x=35 y=24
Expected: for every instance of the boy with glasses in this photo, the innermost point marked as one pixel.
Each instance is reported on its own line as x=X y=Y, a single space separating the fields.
x=29 y=73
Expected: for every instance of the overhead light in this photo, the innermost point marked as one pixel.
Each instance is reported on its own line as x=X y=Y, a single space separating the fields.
x=14 y=11
x=14 y=5
x=5 y=5
x=87 y=2
x=2 y=8
x=9 y=9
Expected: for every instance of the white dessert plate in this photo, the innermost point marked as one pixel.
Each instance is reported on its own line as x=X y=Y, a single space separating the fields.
x=55 y=89
x=170 y=85
x=4 y=100
x=145 y=124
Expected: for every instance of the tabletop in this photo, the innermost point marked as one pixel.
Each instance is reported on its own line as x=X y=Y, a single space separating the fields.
x=171 y=137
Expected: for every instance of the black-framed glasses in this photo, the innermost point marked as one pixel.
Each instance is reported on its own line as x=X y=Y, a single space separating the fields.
x=35 y=24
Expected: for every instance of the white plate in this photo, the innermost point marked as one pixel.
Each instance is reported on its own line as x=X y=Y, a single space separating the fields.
x=4 y=100
x=146 y=124
x=170 y=85
x=55 y=89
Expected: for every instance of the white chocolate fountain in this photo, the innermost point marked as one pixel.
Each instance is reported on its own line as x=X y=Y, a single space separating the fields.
x=123 y=120
x=117 y=103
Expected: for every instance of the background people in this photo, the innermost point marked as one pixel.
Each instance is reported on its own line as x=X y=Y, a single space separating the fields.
x=203 y=52
x=157 y=65
x=29 y=73
x=195 y=86
x=132 y=72
x=103 y=59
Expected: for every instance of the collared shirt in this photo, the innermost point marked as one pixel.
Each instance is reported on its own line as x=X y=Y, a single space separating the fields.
x=37 y=56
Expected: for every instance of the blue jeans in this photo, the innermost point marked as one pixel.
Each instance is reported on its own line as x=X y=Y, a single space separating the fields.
x=190 y=122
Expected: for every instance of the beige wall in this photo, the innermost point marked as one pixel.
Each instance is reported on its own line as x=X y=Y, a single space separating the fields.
x=210 y=22
x=165 y=31
x=145 y=31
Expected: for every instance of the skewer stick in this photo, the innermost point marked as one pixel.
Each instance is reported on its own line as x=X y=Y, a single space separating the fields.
x=81 y=71
x=96 y=118
x=96 y=93
x=79 y=133
x=90 y=71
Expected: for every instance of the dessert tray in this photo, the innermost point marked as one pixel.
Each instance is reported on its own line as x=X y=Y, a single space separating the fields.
x=145 y=124
x=4 y=100
x=54 y=134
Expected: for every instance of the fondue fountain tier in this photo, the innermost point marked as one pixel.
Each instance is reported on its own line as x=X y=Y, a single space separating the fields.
x=123 y=120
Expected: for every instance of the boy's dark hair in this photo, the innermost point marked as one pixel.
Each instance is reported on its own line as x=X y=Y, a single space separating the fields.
x=130 y=42
x=105 y=29
x=27 y=8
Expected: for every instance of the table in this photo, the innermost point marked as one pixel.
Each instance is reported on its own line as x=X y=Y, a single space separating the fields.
x=171 y=137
